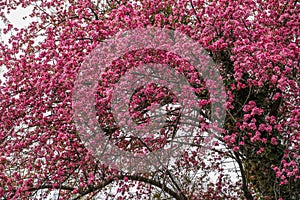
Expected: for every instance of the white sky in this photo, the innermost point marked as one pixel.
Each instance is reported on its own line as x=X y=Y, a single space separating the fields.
x=16 y=18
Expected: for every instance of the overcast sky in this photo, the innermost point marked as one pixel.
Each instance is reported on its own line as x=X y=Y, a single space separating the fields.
x=16 y=18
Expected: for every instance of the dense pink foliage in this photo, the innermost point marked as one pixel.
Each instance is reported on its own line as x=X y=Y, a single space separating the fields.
x=256 y=47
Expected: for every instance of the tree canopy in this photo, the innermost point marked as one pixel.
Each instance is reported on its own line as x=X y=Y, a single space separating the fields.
x=255 y=48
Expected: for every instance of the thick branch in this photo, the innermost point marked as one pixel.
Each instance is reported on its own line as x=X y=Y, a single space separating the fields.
x=245 y=189
x=91 y=189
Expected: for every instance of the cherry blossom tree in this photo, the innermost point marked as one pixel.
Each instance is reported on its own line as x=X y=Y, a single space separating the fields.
x=255 y=45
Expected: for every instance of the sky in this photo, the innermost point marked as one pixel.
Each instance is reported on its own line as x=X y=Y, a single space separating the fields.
x=16 y=18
